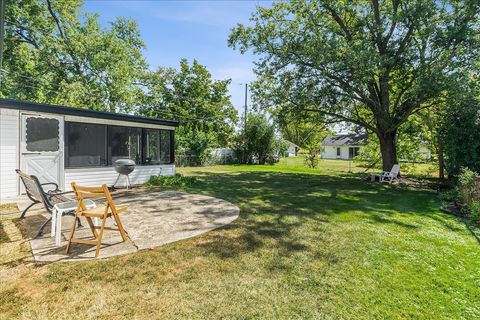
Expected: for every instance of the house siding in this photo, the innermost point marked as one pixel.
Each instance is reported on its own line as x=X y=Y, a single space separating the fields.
x=9 y=153
x=330 y=152
x=107 y=175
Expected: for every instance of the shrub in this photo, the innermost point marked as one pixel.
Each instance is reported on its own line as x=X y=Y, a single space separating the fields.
x=177 y=180
x=468 y=185
x=460 y=134
x=468 y=188
x=475 y=211
x=256 y=143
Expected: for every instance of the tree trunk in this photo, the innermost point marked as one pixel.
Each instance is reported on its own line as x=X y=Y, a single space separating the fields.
x=388 y=148
x=441 y=162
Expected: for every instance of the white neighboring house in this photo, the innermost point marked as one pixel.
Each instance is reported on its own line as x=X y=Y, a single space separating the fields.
x=292 y=149
x=347 y=146
x=63 y=145
x=342 y=146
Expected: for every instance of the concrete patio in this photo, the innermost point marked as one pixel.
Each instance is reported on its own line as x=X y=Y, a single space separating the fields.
x=154 y=218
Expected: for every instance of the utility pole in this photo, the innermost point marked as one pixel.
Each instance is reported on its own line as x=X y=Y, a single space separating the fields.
x=246 y=90
x=2 y=34
x=245 y=124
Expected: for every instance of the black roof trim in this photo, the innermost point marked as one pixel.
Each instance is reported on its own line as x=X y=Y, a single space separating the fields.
x=71 y=111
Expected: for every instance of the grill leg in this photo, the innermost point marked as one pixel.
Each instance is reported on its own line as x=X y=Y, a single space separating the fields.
x=128 y=181
x=116 y=180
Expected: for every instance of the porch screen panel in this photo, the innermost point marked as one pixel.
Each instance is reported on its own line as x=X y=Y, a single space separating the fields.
x=165 y=146
x=152 y=146
x=42 y=135
x=125 y=143
x=86 y=145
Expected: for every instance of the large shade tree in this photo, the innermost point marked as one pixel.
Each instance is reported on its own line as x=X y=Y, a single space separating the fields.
x=56 y=53
x=370 y=63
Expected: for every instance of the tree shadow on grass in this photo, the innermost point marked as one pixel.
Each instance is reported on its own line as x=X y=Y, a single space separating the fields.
x=274 y=205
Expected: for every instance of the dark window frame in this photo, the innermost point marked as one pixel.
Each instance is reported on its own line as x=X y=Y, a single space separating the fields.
x=108 y=144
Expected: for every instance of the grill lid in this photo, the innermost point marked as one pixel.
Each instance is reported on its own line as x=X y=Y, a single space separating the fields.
x=124 y=166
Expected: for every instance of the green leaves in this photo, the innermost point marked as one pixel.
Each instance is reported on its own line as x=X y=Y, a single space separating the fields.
x=200 y=103
x=257 y=141
x=370 y=63
x=56 y=54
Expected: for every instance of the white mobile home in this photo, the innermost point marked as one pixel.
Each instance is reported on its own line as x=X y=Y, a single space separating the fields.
x=342 y=146
x=63 y=144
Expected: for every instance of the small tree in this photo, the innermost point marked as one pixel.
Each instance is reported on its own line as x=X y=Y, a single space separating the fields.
x=313 y=148
x=257 y=141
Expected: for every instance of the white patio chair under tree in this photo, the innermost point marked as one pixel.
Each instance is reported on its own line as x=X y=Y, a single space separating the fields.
x=390 y=176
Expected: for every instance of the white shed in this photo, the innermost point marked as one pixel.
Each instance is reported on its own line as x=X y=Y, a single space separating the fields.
x=64 y=144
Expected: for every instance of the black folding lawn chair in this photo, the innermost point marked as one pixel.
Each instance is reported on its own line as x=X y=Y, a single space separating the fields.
x=36 y=192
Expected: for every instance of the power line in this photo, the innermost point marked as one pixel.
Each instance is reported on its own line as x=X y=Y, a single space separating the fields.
x=168 y=113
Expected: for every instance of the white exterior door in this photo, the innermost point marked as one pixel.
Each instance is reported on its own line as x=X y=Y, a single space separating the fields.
x=42 y=148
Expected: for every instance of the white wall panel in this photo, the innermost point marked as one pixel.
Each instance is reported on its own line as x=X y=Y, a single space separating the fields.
x=330 y=152
x=9 y=122
x=107 y=175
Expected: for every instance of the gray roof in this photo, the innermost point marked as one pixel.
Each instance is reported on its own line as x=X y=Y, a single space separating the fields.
x=341 y=140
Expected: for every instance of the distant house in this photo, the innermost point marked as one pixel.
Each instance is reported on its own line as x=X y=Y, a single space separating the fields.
x=342 y=146
x=292 y=149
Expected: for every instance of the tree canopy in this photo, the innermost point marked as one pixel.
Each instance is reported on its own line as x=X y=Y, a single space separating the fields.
x=55 y=53
x=370 y=63
x=200 y=103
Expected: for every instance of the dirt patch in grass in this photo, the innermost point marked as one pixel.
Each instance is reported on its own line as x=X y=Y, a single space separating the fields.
x=8 y=208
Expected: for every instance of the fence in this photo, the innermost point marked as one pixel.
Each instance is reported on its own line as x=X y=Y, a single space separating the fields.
x=214 y=158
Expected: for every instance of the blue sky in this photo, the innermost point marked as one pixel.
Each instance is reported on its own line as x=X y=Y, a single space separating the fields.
x=173 y=30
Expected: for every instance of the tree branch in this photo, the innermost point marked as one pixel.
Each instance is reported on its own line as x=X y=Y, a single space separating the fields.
x=339 y=20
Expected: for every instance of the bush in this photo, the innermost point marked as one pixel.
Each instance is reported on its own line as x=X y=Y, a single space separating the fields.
x=460 y=134
x=177 y=180
x=468 y=189
x=467 y=184
x=256 y=143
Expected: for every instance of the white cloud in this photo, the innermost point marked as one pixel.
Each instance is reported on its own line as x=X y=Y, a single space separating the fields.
x=213 y=13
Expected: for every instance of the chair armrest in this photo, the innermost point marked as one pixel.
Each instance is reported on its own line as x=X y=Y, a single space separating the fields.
x=52 y=183
x=50 y=193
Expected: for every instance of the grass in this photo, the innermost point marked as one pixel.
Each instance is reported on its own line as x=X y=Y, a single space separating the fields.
x=310 y=243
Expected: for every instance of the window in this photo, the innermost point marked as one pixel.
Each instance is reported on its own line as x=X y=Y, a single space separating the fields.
x=90 y=145
x=125 y=142
x=86 y=145
x=338 y=152
x=353 y=152
x=42 y=134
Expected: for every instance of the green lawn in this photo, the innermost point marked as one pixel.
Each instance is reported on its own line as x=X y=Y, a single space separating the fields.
x=310 y=243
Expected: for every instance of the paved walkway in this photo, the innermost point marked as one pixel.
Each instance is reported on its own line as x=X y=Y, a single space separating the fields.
x=153 y=218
